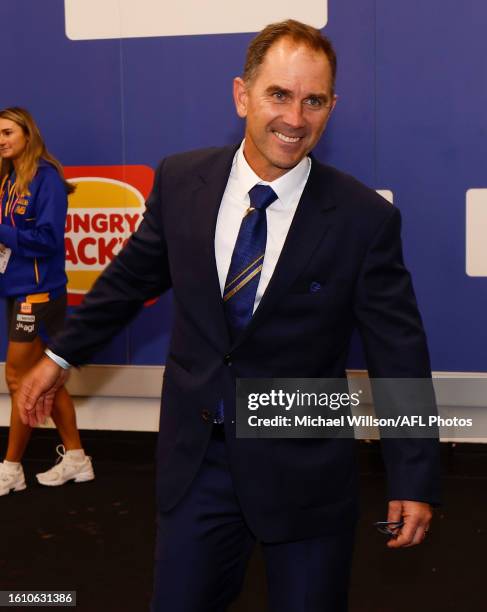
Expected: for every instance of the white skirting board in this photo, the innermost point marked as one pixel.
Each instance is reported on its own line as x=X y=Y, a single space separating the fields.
x=127 y=398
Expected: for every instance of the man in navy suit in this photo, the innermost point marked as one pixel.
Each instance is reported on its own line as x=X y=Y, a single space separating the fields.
x=332 y=263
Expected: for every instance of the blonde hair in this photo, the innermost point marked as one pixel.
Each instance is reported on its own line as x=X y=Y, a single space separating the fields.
x=35 y=150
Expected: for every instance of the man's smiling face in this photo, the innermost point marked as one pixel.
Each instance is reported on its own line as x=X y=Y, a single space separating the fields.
x=286 y=104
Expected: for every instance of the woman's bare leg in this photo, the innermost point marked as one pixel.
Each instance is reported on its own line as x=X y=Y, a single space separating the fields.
x=64 y=417
x=21 y=356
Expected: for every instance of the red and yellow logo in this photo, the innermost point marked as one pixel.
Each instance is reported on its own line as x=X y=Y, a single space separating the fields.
x=105 y=209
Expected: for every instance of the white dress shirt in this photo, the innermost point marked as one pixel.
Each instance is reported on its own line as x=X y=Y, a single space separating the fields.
x=280 y=213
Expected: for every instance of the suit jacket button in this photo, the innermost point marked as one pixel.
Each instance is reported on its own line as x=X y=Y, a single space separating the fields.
x=205 y=415
x=227 y=360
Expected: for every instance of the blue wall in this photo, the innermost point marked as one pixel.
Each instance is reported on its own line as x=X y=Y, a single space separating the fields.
x=411 y=118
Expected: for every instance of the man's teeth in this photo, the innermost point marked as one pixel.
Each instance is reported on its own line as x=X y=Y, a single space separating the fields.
x=286 y=138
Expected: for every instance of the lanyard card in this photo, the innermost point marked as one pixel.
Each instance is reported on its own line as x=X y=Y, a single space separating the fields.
x=5 y=253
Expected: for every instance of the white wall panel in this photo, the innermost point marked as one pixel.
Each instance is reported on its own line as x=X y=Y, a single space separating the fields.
x=476 y=226
x=98 y=19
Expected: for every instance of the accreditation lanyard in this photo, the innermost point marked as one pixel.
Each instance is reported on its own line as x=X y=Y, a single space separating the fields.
x=11 y=200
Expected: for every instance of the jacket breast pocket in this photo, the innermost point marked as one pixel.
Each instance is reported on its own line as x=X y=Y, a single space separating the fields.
x=308 y=295
x=318 y=287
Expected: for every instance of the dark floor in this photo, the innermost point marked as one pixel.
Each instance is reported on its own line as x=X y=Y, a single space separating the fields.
x=96 y=538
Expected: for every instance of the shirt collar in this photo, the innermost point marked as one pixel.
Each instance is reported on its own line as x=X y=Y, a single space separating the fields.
x=286 y=186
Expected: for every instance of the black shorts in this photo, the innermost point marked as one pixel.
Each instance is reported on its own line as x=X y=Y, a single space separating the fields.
x=26 y=321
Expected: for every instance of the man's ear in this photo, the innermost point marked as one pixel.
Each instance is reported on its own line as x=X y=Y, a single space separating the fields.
x=240 y=96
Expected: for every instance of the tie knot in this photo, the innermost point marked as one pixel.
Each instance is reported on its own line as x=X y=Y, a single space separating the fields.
x=261 y=196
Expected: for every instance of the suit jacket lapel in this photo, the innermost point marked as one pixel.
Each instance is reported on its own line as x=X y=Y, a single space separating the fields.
x=207 y=197
x=311 y=222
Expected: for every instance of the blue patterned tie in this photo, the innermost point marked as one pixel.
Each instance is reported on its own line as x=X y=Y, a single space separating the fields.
x=245 y=268
x=247 y=259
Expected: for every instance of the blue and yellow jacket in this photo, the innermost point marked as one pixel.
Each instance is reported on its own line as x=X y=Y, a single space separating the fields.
x=32 y=225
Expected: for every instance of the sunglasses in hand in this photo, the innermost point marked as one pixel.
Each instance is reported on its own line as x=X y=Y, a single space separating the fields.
x=389 y=528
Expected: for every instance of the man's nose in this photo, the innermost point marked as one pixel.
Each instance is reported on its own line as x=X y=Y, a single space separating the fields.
x=293 y=114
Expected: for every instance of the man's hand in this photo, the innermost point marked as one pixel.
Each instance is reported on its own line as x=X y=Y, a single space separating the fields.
x=416 y=516
x=36 y=393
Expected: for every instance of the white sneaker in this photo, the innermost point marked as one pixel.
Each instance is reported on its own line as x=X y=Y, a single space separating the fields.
x=11 y=479
x=66 y=469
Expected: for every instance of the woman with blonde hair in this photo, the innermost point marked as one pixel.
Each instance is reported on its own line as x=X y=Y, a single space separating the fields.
x=33 y=206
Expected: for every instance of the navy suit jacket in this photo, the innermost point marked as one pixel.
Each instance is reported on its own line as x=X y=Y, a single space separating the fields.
x=344 y=237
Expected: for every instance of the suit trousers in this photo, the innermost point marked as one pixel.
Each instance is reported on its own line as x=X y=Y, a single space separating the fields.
x=203 y=546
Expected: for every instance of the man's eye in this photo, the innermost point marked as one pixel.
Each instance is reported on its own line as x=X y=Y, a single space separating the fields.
x=280 y=96
x=314 y=102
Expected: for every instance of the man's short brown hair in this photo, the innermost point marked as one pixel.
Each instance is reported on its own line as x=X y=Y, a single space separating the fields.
x=299 y=33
